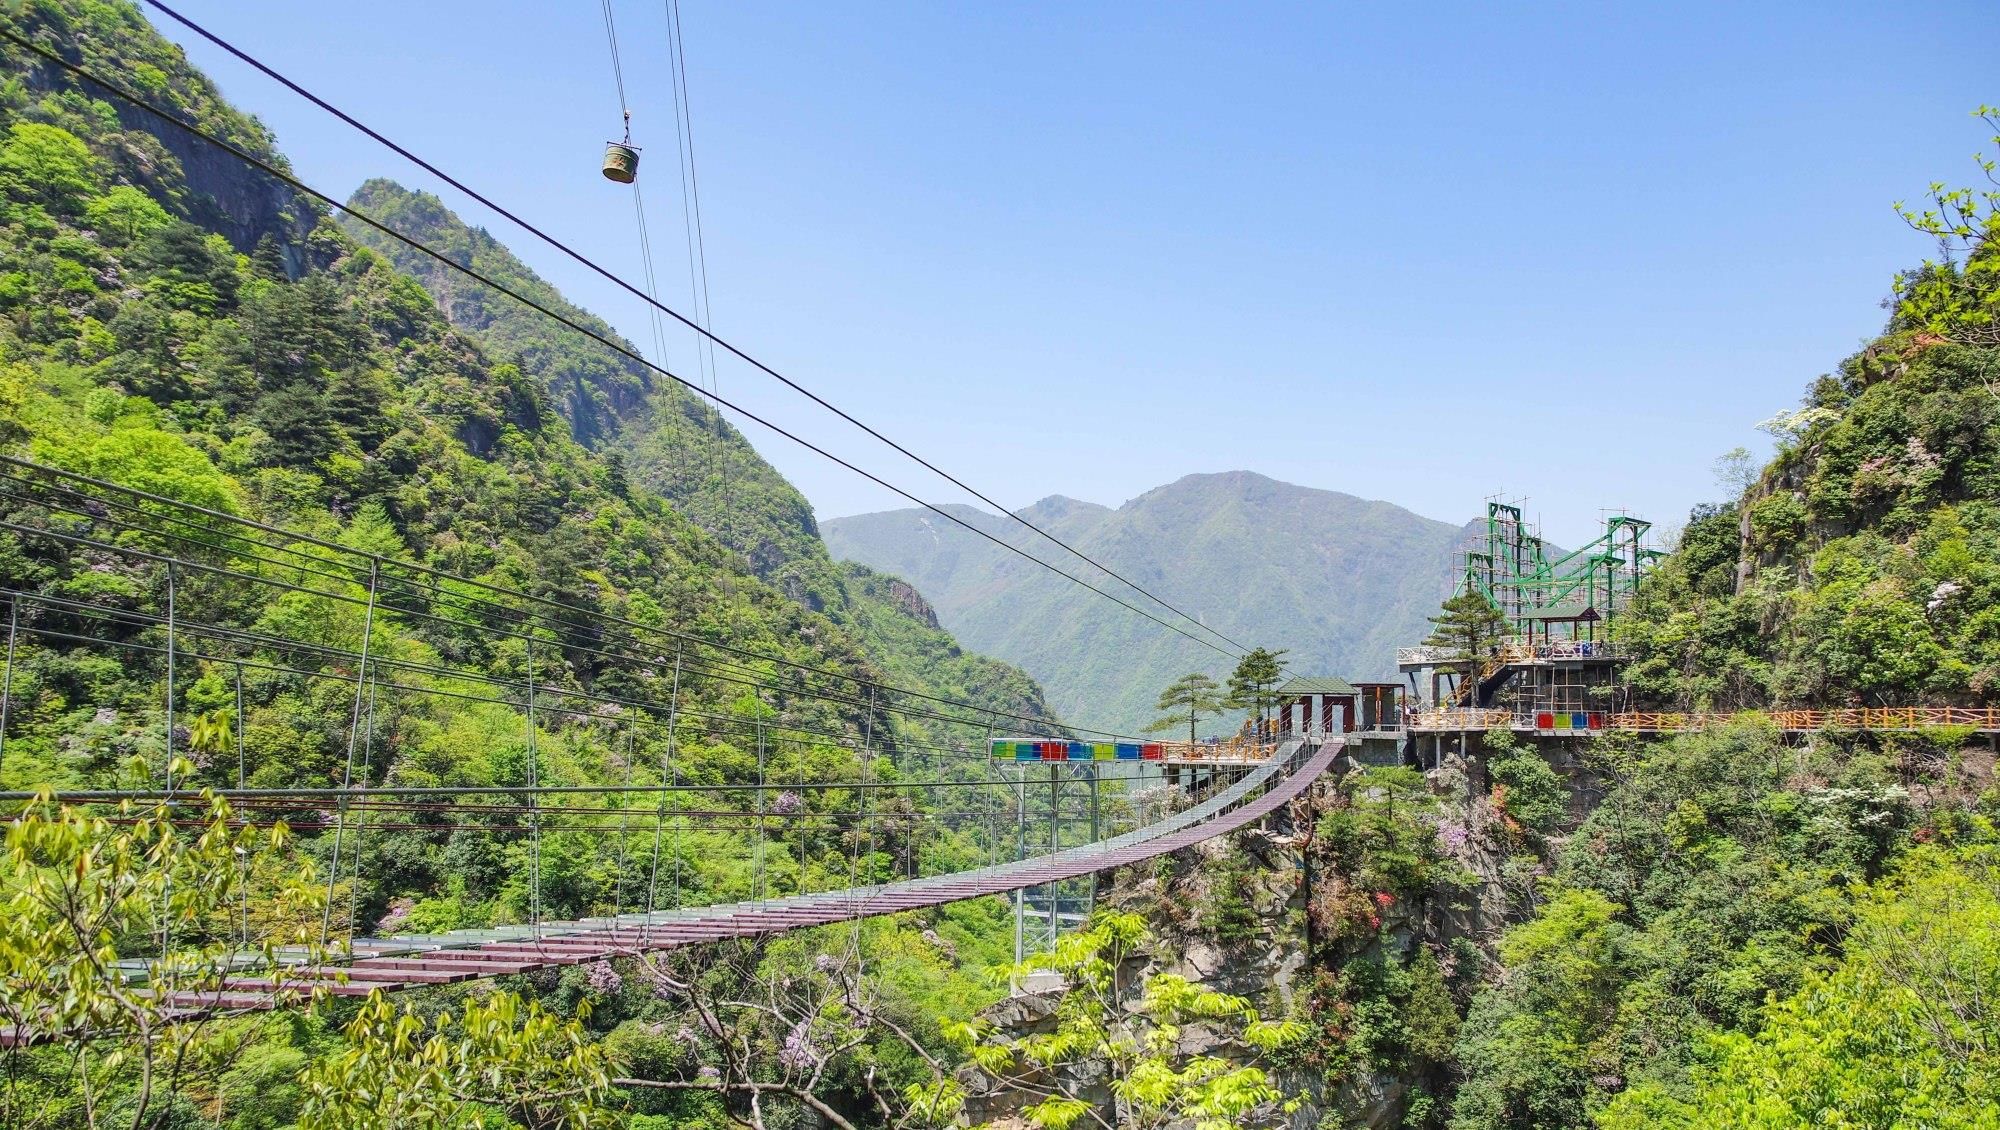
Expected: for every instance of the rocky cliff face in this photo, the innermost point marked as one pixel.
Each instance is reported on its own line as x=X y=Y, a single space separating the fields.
x=189 y=176
x=1292 y=920
x=1263 y=959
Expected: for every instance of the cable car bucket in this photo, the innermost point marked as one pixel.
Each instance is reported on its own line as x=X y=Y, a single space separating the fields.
x=621 y=161
x=621 y=158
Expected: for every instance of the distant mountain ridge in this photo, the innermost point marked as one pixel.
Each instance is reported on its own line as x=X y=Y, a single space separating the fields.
x=1339 y=580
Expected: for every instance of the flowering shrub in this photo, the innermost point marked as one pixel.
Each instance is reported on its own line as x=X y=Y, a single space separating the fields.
x=602 y=979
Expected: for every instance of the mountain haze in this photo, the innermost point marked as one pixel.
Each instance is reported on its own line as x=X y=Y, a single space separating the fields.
x=1341 y=581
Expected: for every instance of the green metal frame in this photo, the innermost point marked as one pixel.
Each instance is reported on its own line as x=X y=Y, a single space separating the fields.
x=1518 y=577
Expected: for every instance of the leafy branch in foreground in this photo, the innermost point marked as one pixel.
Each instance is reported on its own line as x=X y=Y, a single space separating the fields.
x=769 y=1038
x=1957 y=296
x=116 y=930
x=398 y=1072
x=1152 y=1084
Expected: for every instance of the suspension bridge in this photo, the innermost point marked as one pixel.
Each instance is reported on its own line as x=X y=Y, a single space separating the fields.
x=203 y=580
x=393 y=963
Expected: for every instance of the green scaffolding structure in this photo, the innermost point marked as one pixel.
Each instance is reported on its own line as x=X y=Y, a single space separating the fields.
x=1564 y=597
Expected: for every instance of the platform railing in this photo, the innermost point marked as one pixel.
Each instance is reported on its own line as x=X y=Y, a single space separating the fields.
x=1891 y=719
x=1518 y=649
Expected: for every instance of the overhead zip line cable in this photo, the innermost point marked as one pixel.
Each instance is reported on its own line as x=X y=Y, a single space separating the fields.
x=440 y=257
x=705 y=333
x=724 y=670
x=691 y=226
x=729 y=670
x=638 y=200
x=617 y=647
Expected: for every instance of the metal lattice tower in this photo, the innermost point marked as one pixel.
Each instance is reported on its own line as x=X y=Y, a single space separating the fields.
x=1514 y=570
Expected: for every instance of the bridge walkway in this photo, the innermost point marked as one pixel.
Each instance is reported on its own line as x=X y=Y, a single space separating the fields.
x=396 y=963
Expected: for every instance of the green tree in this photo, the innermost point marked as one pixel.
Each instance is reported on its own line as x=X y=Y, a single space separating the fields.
x=1254 y=683
x=125 y=215
x=1190 y=699
x=88 y=899
x=1531 y=1049
x=496 y=1056
x=1466 y=629
x=47 y=164
x=1132 y=1031
x=1528 y=789
x=1903 y=1032
x=1957 y=296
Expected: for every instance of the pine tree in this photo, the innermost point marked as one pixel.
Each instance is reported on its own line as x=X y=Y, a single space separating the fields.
x=1467 y=627
x=1189 y=699
x=1253 y=685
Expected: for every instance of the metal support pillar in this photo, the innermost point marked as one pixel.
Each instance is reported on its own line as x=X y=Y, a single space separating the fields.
x=1055 y=827
x=1020 y=853
x=1090 y=884
x=7 y=685
x=758 y=882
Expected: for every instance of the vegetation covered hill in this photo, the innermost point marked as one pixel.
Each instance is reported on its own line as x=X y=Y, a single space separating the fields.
x=1862 y=565
x=1745 y=929
x=173 y=320
x=678 y=446
x=1338 y=580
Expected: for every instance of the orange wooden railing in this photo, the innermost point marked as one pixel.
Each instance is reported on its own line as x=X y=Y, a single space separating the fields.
x=1884 y=718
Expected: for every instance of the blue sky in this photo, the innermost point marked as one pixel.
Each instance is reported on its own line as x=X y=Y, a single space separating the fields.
x=1420 y=253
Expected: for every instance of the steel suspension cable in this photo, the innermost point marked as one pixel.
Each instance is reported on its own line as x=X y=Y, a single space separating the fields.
x=630 y=626
x=721 y=670
x=692 y=231
x=617 y=68
x=691 y=324
x=450 y=263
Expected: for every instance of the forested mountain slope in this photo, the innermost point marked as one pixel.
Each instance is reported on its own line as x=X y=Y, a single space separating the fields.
x=1862 y=565
x=276 y=369
x=1340 y=581
x=173 y=320
x=1744 y=928
x=675 y=444
x=673 y=441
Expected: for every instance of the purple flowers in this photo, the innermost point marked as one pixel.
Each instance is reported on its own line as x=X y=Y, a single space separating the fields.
x=662 y=987
x=603 y=979
x=1452 y=834
x=798 y=1054
x=825 y=963
x=788 y=803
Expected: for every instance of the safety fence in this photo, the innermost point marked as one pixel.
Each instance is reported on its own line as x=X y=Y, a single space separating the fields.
x=1985 y=719
x=1514 y=651
x=1237 y=750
